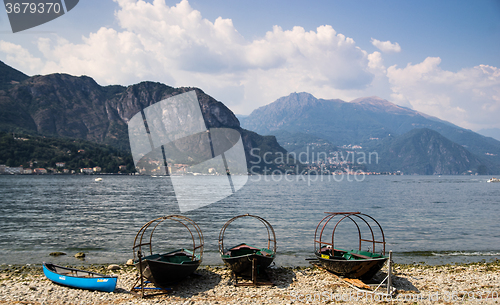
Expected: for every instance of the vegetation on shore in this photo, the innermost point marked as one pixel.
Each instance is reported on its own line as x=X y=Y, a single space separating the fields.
x=31 y=151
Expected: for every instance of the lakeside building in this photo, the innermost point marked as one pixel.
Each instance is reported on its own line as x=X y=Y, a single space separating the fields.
x=14 y=170
x=40 y=171
x=86 y=170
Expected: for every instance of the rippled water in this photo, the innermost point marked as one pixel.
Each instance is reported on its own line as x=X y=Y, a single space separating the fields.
x=425 y=218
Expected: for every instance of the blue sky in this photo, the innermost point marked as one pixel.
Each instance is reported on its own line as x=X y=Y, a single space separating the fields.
x=437 y=57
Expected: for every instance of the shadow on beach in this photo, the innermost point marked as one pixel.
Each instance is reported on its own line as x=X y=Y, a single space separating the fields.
x=398 y=282
x=281 y=277
x=197 y=283
x=200 y=282
x=403 y=284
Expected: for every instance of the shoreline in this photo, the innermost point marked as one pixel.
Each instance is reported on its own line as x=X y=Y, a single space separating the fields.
x=415 y=283
x=289 y=260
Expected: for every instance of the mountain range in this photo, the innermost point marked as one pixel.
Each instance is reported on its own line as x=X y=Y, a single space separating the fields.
x=402 y=137
x=62 y=105
x=426 y=152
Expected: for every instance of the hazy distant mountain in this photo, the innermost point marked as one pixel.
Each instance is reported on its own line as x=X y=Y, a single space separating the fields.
x=426 y=152
x=241 y=116
x=491 y=132
x=365 y=122
x=360 y=122
x=62 y=105
x=297 y=143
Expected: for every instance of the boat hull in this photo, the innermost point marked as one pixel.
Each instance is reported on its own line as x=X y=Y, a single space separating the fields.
x=83 y=279
x=240 y=259
x=243 y=264
x=363 y=269
x=164 y=273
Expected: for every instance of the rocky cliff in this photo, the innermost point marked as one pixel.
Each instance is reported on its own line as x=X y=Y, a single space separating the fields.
x=62 y=105
x=69 y=106
x=371 y=123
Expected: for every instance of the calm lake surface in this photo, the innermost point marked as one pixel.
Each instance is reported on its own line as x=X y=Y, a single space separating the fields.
x=425 y=218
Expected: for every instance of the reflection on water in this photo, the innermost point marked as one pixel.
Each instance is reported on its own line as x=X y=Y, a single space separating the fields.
x=430 y=219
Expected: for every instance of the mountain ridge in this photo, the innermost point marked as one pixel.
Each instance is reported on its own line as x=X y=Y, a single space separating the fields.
x=424 y=151
x=63 y=105
x=363 y=122
x=10 y=76
x=375 y=103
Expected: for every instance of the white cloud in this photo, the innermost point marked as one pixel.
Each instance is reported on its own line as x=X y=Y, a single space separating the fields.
x=386 y=46
x=175 y=45
x=375 y=61
x=469 y=98
x=21 y=57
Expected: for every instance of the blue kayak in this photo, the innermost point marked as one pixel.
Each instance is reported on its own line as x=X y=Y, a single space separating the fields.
x=79 y=278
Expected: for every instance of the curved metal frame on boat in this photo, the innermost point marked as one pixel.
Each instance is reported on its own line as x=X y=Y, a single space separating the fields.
x=359 y=215
x=266 y=224
x=154 y=261
x=245 y=260
x=349 y=263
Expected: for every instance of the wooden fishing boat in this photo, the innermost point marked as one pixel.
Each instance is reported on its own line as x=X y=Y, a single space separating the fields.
x=79 y=278
x=350 y=263
x=164 y=270
x=168 y=268
x=247 y=260
x=241 y=257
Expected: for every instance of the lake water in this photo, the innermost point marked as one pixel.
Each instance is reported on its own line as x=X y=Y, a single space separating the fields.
x=425 y=218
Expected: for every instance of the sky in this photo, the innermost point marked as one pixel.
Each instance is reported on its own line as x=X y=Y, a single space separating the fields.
x=437 y=57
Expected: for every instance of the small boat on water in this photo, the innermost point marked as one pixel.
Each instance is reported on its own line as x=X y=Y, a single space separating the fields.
x=494 y=180
x=350 y=263
x=168 y=268
x=98 y=179
x=79 y=278
x=244 y=259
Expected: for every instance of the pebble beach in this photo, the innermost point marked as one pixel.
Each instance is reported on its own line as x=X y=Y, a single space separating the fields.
x=477 y=283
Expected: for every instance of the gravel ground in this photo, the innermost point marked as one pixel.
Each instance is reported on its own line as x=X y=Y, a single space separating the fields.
x=477 y=283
